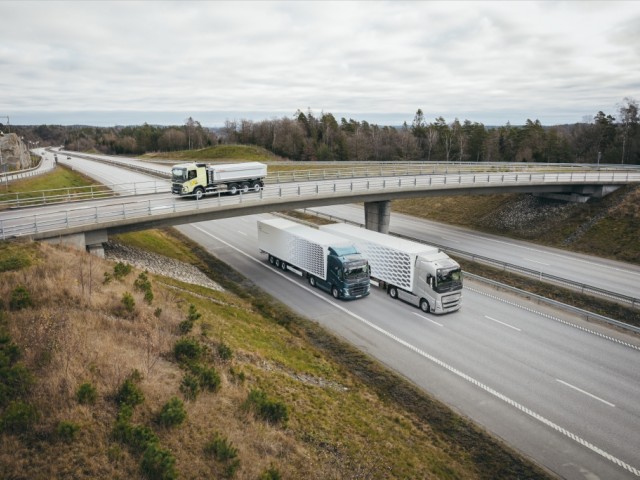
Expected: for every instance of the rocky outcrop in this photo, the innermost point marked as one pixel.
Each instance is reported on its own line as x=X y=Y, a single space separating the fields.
x=14 y=152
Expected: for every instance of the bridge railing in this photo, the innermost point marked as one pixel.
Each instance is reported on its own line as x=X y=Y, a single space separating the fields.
x=20 y=224
x=549 y=172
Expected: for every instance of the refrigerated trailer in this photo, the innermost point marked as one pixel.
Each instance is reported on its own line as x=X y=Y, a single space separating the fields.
x=328 y=261
x=411 y=271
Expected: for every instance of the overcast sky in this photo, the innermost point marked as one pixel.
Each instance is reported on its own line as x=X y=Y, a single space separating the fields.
x=125 y=62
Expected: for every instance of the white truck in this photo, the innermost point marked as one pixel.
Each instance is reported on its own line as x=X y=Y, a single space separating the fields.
x=197 y=179
x=411 y=271
x=328 y=261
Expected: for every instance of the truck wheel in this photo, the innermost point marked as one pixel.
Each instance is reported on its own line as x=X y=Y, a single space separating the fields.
x=199 y=193
x=272 y=259
x=283 y=266
x=312 y=281
x=233 y=188
x=255 y=187
x=393 y=292
x=424 y=306
x=335 y=292
x=244 y=187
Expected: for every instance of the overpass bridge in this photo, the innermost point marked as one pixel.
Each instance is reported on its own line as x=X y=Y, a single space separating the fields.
x=90 y=222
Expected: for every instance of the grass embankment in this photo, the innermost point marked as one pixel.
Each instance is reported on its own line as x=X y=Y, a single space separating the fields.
x=231 y=153
x=61 y=181
x=607 y=227
x=128 y=375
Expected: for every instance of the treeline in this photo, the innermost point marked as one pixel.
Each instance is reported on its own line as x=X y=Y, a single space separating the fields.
x=308 y=136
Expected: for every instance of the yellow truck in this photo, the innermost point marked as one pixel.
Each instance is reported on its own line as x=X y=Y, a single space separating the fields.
x=198 y=179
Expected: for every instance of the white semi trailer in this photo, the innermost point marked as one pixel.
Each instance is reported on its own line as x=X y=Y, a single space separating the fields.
x=411 y=271
x=196 y=179
x=328 y=261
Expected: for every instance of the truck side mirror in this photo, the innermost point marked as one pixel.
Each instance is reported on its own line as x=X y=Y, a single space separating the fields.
x=430 y=280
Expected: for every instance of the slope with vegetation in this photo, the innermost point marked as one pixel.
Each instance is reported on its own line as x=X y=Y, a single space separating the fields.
x=112 y=372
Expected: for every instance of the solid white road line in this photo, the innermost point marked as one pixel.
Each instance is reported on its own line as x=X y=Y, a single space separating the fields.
x=585 y=392
x=446 y=366
x=502 y=323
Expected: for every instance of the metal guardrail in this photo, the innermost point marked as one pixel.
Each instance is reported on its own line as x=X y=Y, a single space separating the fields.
x=631 y=302
x=22 y=224
x=437 y=173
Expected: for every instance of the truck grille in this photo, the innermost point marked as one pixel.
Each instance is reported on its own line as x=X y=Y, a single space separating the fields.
x=451 y=302
x=358 y=290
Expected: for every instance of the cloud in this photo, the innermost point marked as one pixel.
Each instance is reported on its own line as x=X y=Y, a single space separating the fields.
x=498 y=61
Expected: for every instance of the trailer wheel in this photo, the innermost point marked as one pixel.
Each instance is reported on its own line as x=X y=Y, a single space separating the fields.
x=256 y=187
x=277 y=263
x=424 y=305
x=244 y=187
x=272 y=259
x=393 y=292
x=199 y=193
x=335 y=292
x=312 y=281
x=233 y=188
x=283 y=266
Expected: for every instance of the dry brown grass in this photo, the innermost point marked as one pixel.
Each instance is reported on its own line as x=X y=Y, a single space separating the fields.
x=338 y=427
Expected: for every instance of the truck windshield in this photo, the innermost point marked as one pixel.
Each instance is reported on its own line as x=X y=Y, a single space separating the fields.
x=356 y=271
x=448 y=279
x=178 y=175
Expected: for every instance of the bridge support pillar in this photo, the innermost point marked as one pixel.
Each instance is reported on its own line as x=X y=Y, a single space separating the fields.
x=377 y=215
x=89 y=241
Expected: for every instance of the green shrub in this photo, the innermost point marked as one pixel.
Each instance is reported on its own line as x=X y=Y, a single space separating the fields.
x=20 y=298
x=129 y=393
x=66 y=431
x=142 y=284
x=121 y=270
x=18 y=417
x=269 y=410
x=185 y=327
x=190 y=387
x=15 y=379
x=223 y=451
x=224 y=352
x=172 y=413
x=188 y=350
x=270 y=473
x=158 y=463
x=208 y=377
x=128 y=302
x=87 y=394
x=193 y=314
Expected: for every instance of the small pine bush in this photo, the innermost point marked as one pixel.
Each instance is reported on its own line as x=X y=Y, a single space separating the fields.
x=188 y=350
x=158 y=463
x=172 y=413
x=270 y=473
x=128 y=302
x=193 y=314
x=18 y=417
x=20 y=298
x=185 y=327
x=224 y=352
x=190 y=387
x=272 y=411
x=121 y=270
x=129 y=393
x=86 y=394
x=66 y=431
x=223 y=451
x=208 y=377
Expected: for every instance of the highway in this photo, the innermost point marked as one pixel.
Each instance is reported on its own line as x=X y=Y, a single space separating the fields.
x=560 y=390
x=623 y=278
